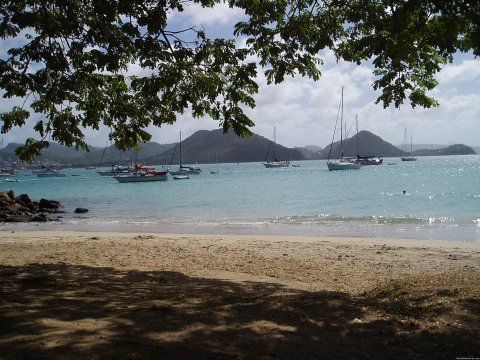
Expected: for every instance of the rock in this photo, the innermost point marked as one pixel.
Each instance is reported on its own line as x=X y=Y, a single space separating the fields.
x=25 y=200
x=4 y=203
x=18 y=218
x=42 y=217
x=81 y=210
x=4 y=197
x=45 y=204
x=11 y=194
x=14 y=208
x=23 y=209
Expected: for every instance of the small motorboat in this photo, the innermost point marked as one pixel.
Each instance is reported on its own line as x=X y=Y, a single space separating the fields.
x=180 y=177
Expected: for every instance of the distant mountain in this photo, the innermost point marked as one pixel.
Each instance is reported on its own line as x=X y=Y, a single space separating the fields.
x=60 y=154
x=476 y=149
x=422 y=147
x=313 y=148
x=457 y=149
x=364 y=144
x=214 y=146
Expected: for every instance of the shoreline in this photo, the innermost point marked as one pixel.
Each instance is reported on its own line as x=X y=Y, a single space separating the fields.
x=404 y=232
x=110 y=294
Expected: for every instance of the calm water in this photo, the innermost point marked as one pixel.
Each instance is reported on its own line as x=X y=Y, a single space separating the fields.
x=442 y=200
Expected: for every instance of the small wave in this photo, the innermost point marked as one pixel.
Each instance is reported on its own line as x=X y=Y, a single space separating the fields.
x=395 y=194
x=324 y=219
x=472 y=196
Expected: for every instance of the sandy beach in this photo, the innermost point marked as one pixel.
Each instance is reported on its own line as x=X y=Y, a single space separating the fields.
x=140 y=296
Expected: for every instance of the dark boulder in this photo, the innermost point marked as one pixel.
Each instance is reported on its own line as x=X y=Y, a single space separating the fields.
x=81 y=210
x=5 y=197
x=17 y=218
x=23 y=209
x=45 y=204
x=25 y=200
x=41 y=217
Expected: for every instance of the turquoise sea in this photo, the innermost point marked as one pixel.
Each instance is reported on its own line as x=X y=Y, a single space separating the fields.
x=442 y=200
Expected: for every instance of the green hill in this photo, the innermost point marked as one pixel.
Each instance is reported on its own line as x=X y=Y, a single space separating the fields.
x=66 y=156
x=214 y=146
x=457 y=149
x=364 y=144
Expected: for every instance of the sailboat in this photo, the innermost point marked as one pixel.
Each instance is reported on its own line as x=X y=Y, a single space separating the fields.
x=184 y=170
x=115 y=169
x=142 y=174
x=343 y=163
x=275 y=163
x=369 y=159
x=404 y=148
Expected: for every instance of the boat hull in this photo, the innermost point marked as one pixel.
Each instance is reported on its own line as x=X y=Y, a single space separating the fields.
x=342 y=165
x=180 y=177
x=186 y=171
x=276 y=164
x=51 y=175
x=409 y=158
x=369 y=161
x=140 y=178
x=113 y=173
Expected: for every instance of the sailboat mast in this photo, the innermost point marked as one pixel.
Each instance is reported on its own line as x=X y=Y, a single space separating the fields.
x=274 y=143
x=341 y=121
x=356 y=121
x=341 y=127
x=180 y=145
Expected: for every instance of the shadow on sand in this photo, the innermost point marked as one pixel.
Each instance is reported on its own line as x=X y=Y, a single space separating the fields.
x=66 y=311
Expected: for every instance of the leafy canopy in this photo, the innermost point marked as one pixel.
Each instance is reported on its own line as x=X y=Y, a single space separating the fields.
x=68 y=60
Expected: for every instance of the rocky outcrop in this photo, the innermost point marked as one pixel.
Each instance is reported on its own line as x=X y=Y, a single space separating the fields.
x=80 y=211
x=23 y=209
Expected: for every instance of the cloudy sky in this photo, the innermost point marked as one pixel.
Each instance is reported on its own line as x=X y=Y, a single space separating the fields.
x=304 y=111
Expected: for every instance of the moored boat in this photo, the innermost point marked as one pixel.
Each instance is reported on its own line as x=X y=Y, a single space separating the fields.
x=344 y=162
x=182 y=169
x=142 y=174
x=404 y=148
x=275 y=163
x=180 y=177
x=51 y=173
x=116 y=170
x=185 y=170
x=369 y=160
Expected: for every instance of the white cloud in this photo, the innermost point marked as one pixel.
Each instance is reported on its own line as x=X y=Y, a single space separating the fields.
x=305 y=111
x=219 y=15
x=467 y=70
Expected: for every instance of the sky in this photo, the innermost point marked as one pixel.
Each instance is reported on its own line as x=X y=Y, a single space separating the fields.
x=304 y=111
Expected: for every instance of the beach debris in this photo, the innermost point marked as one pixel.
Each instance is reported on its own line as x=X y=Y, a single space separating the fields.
x=23 y=209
